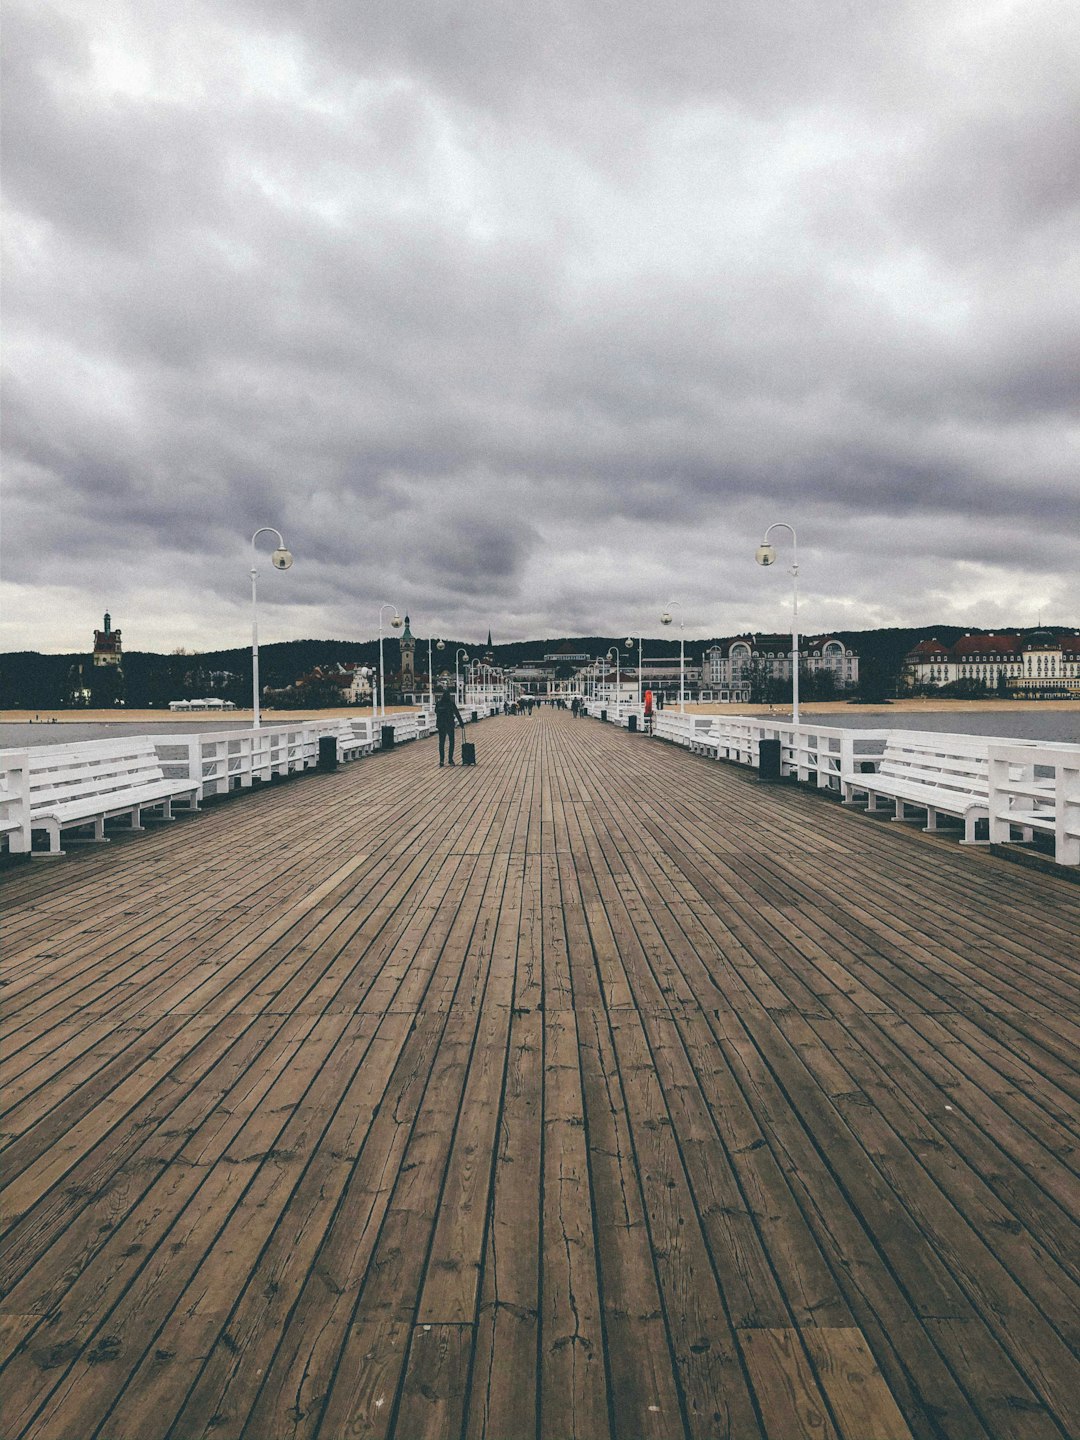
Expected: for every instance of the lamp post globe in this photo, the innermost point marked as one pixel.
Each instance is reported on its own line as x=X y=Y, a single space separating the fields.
x=281 y=559
x=396 y=623
x=665 y=619
x=766 y=555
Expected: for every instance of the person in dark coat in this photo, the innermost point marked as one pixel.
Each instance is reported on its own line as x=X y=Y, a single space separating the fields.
x=446 y=716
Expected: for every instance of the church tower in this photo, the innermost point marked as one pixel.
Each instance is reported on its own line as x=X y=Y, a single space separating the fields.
x=107 y=645
x=408 y=658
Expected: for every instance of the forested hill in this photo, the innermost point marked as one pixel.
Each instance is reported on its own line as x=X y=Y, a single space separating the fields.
x=29 y=680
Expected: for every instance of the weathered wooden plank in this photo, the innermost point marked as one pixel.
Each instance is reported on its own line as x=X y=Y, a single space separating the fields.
x=573 y=1392
x=788 y=1396
x=853 y=1384
x=503 y=1398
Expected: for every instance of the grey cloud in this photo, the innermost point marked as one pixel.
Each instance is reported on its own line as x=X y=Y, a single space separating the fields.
x=539 y=311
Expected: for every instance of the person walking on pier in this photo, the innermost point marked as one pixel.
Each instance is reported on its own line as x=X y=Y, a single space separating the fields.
x=447 y=715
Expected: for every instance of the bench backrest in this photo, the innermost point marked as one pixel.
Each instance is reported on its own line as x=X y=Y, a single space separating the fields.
x=61 y=773
x=945 y=763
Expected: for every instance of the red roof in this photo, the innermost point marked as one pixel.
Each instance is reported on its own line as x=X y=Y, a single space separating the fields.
x=986 y=645
x=1006 y=645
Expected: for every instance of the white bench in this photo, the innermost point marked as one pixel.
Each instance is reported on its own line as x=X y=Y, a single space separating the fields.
x=73 y=787
x=940 y=774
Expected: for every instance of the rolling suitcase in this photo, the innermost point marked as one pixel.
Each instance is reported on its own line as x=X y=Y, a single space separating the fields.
x=468 y=751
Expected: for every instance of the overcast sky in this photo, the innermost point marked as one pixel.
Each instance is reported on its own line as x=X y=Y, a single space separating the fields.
x=532 y=315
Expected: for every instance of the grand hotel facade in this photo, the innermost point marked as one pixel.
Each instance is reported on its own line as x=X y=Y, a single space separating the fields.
x=1039 y=665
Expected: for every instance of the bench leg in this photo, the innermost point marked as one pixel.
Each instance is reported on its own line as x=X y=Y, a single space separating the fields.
x=971 y=819
x=97 y=838
x=135 y=818
x=931 y=820
x=901 y=816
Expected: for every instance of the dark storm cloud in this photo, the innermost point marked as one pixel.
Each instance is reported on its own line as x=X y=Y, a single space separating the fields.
x=527 y=316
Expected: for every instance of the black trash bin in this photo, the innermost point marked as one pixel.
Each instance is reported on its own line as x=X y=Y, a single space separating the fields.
x=603 y=714
x=475 y=716
x=769 y=760
x=388 y=737
x=327 y=752
x=631 y=722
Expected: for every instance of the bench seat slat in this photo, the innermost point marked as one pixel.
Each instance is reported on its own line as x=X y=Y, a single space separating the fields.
x=145 y=797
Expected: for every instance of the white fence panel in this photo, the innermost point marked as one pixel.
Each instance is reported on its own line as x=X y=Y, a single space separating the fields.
x=1036 y=787
x=681 y=729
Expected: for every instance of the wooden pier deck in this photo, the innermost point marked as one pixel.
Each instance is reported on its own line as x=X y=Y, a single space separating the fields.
x=596 y=1092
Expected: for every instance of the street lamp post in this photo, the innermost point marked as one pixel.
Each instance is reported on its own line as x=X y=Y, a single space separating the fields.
x=614 y=650
x=462 y=652
x=665 y=619
x=395 y=621
x=439 y=645
x=629 y=643
x=766 y=555
x=281 y=560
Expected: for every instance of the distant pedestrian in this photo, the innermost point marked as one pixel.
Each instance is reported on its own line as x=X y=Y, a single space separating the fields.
x=447 y=715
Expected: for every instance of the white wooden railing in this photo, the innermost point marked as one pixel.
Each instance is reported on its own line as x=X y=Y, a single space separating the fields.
x=15 y=800
x=680 y=728
x=1035 y=786
x=222 y=760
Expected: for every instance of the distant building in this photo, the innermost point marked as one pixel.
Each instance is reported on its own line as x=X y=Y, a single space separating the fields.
x=107 y=647
x=408 y=659
x=1039 y=665
x=735 y=664
x=212 y=703
x=353 y=681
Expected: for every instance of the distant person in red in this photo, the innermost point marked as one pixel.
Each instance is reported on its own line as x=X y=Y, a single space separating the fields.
x=648 y=710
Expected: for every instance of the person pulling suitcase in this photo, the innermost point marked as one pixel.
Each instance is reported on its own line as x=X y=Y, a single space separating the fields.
x=447 y=715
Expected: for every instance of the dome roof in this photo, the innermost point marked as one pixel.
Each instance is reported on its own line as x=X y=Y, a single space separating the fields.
x=1041 y=639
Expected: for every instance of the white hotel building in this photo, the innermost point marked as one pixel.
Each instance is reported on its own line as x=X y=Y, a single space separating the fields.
x=728 y=669
x=1041 y=665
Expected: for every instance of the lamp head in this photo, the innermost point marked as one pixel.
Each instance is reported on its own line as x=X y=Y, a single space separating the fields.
x=629 y=642
x=281 y=558
x=395 y=621
x=766 y=554
x=665 y=618
x=440 y=644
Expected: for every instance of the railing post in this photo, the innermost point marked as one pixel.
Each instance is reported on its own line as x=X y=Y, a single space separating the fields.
x=15 y=792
